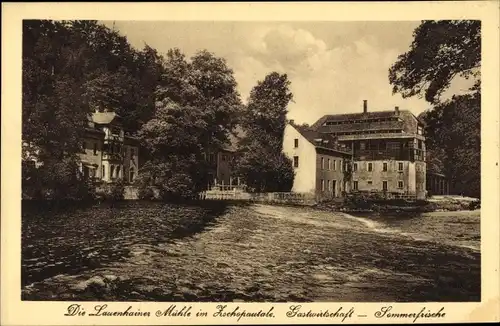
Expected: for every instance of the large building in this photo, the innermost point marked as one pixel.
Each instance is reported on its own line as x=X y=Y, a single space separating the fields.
x=319 y=161
x=108 y=154
x=387 y=148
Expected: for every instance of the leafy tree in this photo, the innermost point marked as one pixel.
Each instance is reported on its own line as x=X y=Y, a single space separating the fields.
x=262 y=163
x=441 y=51
x=265 y=169
x=195 y=105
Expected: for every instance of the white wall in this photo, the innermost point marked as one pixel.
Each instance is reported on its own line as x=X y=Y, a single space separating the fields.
x=305 y=174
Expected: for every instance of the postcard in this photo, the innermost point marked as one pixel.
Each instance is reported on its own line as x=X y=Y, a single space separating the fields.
x=250 y=163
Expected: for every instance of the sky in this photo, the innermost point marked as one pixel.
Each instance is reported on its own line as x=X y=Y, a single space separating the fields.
x=332 y=66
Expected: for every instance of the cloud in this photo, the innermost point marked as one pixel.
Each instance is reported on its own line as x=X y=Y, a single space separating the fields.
x=326 y=78
x=333 y=66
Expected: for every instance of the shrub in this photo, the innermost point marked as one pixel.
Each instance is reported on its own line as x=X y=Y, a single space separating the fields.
x=111 y=191
x=117 y=190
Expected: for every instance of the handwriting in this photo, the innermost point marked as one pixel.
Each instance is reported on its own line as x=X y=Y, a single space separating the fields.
x=384 y=312
x=294 y=311
x=221 y=312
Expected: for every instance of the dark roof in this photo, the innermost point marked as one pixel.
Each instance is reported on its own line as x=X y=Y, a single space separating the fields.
x=327 y=141
x=234 y=139
x=404 y=120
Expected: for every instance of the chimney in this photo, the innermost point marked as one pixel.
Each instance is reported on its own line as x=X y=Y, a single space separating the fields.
x=365 y=106
x=292 y=122
x=397 y=110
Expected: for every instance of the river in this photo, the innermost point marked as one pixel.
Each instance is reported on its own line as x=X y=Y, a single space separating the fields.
x=153 y=252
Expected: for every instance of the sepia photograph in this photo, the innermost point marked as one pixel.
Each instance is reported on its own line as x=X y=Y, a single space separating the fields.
x=251 y=161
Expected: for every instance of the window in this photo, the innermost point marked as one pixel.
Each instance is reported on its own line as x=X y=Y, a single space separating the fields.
x=341 y=166
x=111 y=171
x=329 y=185
x=370 y=167
x=355 y=167
x=400 y=166
x=95 y=148
x=322 y=163
x=295 y=143
x=132 y=152
x=362 y=146
x=384 y=167
x=384 y=185
x=117 y=171
x=355 y=185
x=322 y=185
x=295 y=161
x=370 y=182
x=132 y=174
x=224 y=157
x=83 y=146
x=103 y=172
x=334 y=165
x=211 y=157
x=329 y=164
x=400 y=184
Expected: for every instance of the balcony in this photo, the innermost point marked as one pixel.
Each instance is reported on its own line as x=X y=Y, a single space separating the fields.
x=112 y=156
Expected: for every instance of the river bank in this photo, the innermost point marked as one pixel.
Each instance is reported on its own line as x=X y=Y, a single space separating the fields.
x=434 y=204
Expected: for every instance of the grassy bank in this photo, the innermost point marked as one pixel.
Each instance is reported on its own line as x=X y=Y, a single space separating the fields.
x=357 y=203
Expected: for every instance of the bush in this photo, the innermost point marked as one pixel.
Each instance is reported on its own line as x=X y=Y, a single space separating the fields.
x=145 y=192
x=475 y=205
x=111 y=191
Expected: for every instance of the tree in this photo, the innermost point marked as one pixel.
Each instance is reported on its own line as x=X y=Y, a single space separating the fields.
x=441 y=51
x=262 y=162
x=71 y=68
x=265 y=169
x=195 y=107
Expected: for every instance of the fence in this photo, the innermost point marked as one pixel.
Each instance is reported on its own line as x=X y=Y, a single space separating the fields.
x=270 y=197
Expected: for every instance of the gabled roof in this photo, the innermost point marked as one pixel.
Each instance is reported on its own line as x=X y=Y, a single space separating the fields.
x=234 y=139
x=104 y=117
x=320 y=140
x=403 y=120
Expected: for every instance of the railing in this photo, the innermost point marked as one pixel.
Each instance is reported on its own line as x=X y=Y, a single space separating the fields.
x=227 y=188
x=268 y=197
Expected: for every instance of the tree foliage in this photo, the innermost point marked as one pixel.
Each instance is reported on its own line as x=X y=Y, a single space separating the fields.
x=195 y=108
x=262 y=163
x=441 y=51
x=70 y=69
x=454 y=133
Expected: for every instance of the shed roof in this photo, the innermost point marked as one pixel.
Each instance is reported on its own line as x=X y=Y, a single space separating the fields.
x=235 y=139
